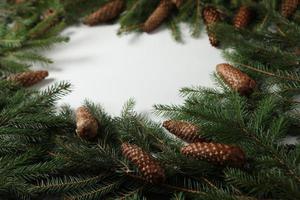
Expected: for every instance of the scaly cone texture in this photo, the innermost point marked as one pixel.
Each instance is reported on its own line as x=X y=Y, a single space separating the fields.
x=210 y=17
x=288 y=7
x=242 y=17
x=162 y=11
x=147 y=165
x=106 y=13
x=183 y=130
x=87 y=125
x=220 y=154
x=236 y=79
x=28 y=79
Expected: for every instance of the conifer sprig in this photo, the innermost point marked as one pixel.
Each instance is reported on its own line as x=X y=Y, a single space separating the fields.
x=42 y=156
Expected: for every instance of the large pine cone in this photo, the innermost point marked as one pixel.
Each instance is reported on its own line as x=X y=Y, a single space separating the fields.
x=158 y=16
x=27 y=79
x=106 y=13
x=288 y=7
x=210 y=17
x=242 y=17
x=220 y=154
x=236 y=79
x=87 y=125
x=183 y=130
x=147 y=165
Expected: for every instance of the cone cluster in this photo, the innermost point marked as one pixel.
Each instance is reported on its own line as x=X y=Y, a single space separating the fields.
x=183 y=130
x=288 y=7
x=162 y=11
x=147 y=165
x=27 y=79
x=242 y=17
x=210 y=17
x=236 y=79
x=87 y=125
x=217 y=153
x=106 y=13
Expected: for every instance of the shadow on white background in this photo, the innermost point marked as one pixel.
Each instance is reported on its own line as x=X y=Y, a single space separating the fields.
x=109 y=69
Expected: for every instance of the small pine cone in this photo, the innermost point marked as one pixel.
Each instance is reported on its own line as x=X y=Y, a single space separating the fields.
x=147 y=165
x=183 y=130
x=288 y=7
x=242 y=17
x=236 y=79
x=87 y=125
x=106 y=13
x=178 y=3
x=162 y=11
x=210 y=17
x=27 y=79
x=220 y=154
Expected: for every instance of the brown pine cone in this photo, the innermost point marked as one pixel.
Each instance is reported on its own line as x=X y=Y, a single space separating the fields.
x=27 y=79
x=87 y=125
x=242 y=17
x=147 y=165
x=183 y=130
x=106 y=13
x=210 y=17
x=162 y=11
x=236 y=79
x=220 y=154
x=288 y=7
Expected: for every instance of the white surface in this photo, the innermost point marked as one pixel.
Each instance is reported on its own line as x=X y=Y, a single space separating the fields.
x=109 y=69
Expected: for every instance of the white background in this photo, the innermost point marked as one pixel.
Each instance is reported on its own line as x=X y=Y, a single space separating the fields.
x=109 y=69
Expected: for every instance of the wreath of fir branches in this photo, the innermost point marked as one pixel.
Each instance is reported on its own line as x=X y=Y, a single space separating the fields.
x=227 y=142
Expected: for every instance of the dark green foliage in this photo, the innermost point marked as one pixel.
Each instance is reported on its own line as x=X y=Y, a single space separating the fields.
x=42 y=157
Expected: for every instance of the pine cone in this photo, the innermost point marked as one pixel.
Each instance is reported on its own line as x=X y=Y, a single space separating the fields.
x=236 y=79
x=87 y=125
x=210 y=17
x=106 y=13
x=183 y=130
x=288 y=7
x=242 y=17
x=220 y=154
x=177 y=3
x=27 y=79
x=162 y=11
x=147 y=165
